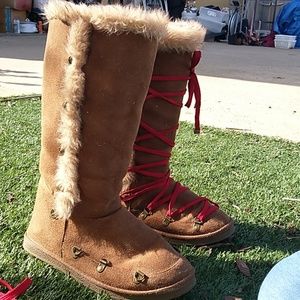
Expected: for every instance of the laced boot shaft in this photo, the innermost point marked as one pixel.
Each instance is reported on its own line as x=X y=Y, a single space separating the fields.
x=91 y=108
x=148 y=190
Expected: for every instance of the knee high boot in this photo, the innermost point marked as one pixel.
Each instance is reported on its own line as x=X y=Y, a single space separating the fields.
x=148 y=191
x=97 y=68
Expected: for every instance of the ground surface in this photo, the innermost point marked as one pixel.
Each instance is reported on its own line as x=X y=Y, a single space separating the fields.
x=252 y=89
x=253 y=178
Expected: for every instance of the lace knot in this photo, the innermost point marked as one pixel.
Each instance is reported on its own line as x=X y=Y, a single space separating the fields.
x=194 y=90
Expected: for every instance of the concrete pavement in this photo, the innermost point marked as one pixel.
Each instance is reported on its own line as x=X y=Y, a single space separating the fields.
x=251 y=89
x=21 y=63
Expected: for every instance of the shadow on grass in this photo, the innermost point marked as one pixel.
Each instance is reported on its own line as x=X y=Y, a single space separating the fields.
x=257 y=245
x=275 y=238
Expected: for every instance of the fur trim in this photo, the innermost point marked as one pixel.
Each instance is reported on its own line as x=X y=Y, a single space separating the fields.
x=67 y=194
x=183 y=36
x=111 y=18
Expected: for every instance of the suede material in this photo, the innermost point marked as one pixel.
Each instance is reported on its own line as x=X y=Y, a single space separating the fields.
x=41 y=223
x=43 y=228
x=146 y=252
x=113 y=110
x=110 y=117
x=55 y=59
x=162 y=115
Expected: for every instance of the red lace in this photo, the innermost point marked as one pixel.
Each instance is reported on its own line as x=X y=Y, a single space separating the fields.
x=14 y=293
x=163 y=181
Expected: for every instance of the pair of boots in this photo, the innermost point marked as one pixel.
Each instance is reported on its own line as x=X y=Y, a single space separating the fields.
x=98 y=66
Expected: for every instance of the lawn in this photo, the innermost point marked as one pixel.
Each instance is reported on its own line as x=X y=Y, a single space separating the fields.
x=253 y=178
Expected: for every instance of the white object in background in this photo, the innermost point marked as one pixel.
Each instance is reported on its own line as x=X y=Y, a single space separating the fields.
x=40 y=4
x=284 y=41
x=28 y=27
x=17 y=28
x=214 y=15
x=285 y=44
x=213 y=20
x=189 y=15
x=284 y=37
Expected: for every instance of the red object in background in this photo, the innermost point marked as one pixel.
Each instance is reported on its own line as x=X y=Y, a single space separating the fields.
x=24 y=5
x=40 y=26
x=14 y=293
x=268 y=41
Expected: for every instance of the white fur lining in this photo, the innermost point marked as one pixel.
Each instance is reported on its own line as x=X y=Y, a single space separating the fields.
x=66 y=178
x=111 y=18
x=183 y=36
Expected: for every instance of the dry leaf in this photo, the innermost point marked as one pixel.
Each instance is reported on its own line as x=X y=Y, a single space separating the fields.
x=248 y=209
x=244 y=249
x=232 y=298
x=10 y=197
x=242 y=266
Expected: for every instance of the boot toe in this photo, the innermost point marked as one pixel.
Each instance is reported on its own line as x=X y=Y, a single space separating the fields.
x=138 y=264
x=167 y=280
x=184 y=230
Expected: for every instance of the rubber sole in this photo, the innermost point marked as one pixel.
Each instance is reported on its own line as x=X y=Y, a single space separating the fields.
x=176 y=290
x=200 y=240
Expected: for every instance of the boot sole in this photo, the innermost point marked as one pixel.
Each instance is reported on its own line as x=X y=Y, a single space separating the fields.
x=173 y=291
x=200 y=240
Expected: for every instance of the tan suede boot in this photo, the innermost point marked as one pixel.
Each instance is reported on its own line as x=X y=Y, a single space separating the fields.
x=97 y=68
x=148 y=190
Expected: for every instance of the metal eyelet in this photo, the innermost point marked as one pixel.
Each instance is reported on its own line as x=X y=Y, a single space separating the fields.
x=53 y=214
x=139 y=277
x=70 y=60
x=59 y=188
x=77 y=252
x=144 y=214
x=167 y=220
x=198 y=223
x=61 y=151
x=65 y=105
x=134 y=211
x=102 y=265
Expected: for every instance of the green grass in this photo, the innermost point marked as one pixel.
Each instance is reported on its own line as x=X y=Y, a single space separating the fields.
x=247 y=174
